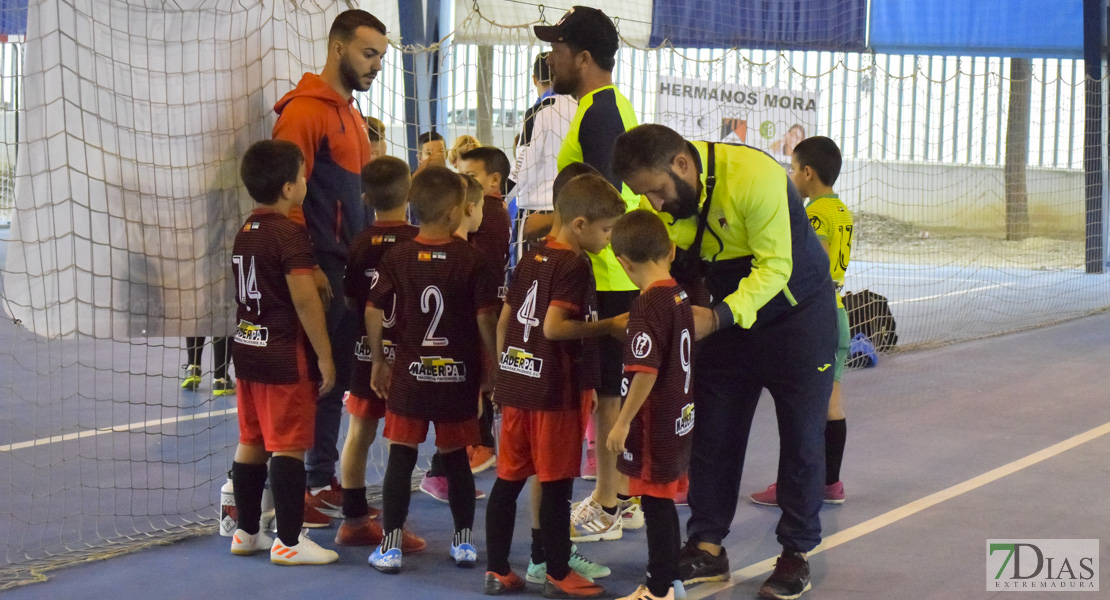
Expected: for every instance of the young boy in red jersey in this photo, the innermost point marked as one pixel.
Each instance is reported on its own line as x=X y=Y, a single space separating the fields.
x=282 y=355
x=651 y=435
x=539 y=386
x=490 y=168
x=434 y=483
x=385 y=184
x=446 y=317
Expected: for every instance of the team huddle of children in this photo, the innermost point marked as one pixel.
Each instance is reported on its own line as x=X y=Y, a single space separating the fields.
x=436 y=337
x=440 y=334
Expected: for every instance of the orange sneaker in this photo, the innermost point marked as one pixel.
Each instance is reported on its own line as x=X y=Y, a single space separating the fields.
x=363 y=531
x=571 y=586
x=498 y=584
x=481 y=458
x=321 y=505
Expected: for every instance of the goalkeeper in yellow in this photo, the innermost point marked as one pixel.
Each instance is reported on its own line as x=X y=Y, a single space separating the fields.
x=814 y=168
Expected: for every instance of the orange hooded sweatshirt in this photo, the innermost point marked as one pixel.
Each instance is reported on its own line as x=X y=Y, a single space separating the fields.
x=332 y=135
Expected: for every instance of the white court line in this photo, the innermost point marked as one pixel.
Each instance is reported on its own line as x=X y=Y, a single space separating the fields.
x=908 y=510
x=955 y=293
x=117 y=429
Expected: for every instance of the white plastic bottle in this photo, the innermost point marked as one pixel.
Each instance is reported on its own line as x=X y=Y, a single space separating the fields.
x=228 y=516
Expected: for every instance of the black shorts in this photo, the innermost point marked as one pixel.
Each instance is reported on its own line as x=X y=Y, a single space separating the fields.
x=611 y=304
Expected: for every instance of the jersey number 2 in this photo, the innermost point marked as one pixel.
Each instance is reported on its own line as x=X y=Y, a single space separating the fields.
x=432 y=293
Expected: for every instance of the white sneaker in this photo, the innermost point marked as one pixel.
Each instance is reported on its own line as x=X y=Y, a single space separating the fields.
x=245 y=544
x=306 y=552
x=632 y=514
x=590 y=523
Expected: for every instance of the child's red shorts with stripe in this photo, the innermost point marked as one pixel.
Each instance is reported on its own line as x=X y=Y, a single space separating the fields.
x=547 y=444
x=406 y=430
x=279 y=417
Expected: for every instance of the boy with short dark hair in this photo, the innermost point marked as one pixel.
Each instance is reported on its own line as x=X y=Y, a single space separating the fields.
x=282 y=355
x=539 y=333
x=814 y=169
x=385 y=185
x=651 y=435
x=490 y=168
x=445 y=312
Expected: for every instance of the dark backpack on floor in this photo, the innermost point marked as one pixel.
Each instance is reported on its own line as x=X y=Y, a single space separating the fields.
x=869 y=314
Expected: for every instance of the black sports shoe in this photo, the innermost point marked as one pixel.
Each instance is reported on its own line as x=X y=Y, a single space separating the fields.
x=698 y=566
x=790 y=579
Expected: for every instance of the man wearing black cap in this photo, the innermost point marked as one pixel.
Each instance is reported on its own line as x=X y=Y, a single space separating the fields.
x=583 y=53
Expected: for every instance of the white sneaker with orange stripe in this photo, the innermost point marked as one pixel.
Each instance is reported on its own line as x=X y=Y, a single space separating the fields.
x=306 y=552
x=245 y=544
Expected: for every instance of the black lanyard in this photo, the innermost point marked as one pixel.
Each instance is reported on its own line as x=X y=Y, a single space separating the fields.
x=703 y=218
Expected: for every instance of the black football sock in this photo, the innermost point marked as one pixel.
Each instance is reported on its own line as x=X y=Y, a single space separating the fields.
x=664 y=539
x=397 y=491
x=555 y=525
x=836 y=432
x=287 y=479
x=500 y=521
x=248 y=482
x=460 y=488
x=538 y=554
x=354 y=503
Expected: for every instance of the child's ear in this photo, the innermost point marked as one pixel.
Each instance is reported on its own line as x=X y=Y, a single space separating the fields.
x=625 y=264
x=578 y=224
x=671 y=257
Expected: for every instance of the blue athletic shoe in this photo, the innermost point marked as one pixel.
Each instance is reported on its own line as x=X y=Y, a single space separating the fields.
x=465 y=555
x=388 y=561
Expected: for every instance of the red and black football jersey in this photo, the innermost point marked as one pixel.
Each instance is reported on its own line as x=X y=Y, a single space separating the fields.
x=538 y=373
x=493 y=235
x=441 y=288
x=660 y=340
x=366 y=252
x=270 y=345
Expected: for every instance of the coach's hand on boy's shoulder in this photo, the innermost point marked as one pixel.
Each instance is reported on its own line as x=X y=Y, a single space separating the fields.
x=705 y=322
x=617 y=436
x=327 y=374
x=379 y=379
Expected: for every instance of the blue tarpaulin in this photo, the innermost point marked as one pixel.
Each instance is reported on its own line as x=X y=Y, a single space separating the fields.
x=13 y=17
x=776 y=24
x=1021 y=28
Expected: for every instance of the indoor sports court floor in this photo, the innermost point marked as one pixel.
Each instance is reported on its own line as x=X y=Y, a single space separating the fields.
x=996 y=438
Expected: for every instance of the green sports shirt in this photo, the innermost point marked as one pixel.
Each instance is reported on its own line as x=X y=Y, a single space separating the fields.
x=602 y=115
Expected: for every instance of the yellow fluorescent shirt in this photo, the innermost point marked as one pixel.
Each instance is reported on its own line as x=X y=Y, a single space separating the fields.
x=751 y=217
x=832 y=222
x=602 y=115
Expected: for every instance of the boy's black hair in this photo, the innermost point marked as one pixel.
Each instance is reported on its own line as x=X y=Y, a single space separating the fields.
x=822 y=155
x=493 y=160
x=267 y=166
x=429 y=136
x=435 y=191
x=347 y=22
x=591 y=197
x=641 y=237
x=385 y=182
x=569 y=172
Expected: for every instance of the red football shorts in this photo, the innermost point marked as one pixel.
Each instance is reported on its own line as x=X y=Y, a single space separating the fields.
x=406 y=430
x=365 y=408
x=279 y=417
x=669 y=490
x=547 y=444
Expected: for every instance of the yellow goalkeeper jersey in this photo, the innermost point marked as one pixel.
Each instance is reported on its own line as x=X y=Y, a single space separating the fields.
x=832 y=222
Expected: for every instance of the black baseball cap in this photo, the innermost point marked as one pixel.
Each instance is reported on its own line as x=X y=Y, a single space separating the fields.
x=584 y=27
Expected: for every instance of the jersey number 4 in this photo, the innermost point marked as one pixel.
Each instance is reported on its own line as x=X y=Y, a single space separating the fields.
x=247 y=286
x=526 y=315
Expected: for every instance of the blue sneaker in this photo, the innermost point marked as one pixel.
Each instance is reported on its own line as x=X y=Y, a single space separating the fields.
x=386 y=562
x=465 y=555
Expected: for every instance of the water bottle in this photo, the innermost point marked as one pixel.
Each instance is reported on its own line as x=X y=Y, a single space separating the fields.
x=228 y=517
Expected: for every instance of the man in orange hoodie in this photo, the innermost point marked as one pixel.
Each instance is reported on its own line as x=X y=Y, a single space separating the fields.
x=321 y=117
